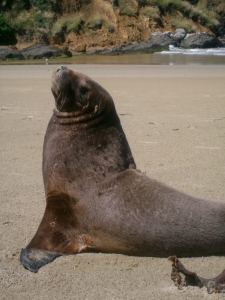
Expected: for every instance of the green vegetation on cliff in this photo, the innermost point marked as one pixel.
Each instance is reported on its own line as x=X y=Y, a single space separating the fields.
x=6 y=32
x=72 y=23
x=30 y=17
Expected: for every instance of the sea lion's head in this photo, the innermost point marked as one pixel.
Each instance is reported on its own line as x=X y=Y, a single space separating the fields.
x=70 y=89
x=77 y=95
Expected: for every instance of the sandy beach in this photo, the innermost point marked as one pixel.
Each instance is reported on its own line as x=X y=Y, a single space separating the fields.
x=174 y=120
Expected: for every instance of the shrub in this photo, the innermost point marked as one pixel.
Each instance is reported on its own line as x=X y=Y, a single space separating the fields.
x=97 y=22
x=15 y=4
x=59 y=25
x=72 y=23
x=178 y=22
x=152 y=13
x=128 y=7
x=186 y=9
x=32 y=20
x=108 y=26
x=130 y=24
x=142 y=3
x=43 y=19
x=127 y=11
x=94 y=20
x=40 y=4
x=6 y=32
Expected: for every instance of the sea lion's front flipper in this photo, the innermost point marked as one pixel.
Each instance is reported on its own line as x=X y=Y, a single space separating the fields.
x=33 y=259
x=57 y=233
x=216 y=285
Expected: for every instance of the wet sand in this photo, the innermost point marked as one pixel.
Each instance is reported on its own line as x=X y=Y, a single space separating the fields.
x=174 y=119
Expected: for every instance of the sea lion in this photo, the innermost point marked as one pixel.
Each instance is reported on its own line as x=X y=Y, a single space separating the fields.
x=97 y=200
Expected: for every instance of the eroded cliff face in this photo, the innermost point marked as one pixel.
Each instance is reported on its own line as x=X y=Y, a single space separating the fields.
x=81 y=24
x=69 y=6
x=119 y=25
x=111 y=27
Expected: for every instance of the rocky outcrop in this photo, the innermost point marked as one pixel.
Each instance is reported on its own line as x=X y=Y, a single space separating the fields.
x=158 y=40
x=179 y=35
x=41 y=51
x=33 y=52
x=161 y=40
x=8 y=53
x=200 y=40
x=39 y=36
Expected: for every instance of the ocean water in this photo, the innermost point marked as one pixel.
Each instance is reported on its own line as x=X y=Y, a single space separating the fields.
x=177 y=56
x=174 y=56
x=213 y=51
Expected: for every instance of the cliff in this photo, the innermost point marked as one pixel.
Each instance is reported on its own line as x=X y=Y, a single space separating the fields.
x=99 y=23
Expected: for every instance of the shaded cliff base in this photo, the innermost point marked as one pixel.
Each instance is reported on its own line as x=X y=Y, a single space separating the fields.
x=158 y=41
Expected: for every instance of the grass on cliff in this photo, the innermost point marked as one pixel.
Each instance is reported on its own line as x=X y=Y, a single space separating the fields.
x=188 y=10
x=30 y=20
x=96 y=20
x=76 y=24
x=72 y=23
x=128 y=7
x=179 y=22
x=128 y=12
x=152 y=12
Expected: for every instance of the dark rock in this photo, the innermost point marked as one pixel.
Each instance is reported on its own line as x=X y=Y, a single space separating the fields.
x=200 y=40
x=41 y=51
x=161 y=40
x=8 y=53
x=179 y=35
x=158 y=40
x=35 y=51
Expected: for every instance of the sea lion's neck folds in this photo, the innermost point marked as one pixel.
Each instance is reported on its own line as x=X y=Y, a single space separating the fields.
x=86 y=116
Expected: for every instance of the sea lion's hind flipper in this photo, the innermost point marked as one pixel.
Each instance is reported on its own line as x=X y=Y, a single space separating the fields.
x=33 y=259
x=216 y=285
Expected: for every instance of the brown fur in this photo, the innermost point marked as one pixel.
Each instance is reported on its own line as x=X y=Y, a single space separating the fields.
x=95 y=197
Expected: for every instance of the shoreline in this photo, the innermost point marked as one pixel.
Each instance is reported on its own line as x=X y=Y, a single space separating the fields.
x=116 y=71
x=175 y=57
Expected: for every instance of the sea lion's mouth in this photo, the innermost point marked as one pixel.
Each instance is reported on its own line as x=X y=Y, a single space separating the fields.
x=64 y=99
x=59 y=96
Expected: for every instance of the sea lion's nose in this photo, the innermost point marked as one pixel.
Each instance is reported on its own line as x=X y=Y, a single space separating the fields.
x=61 y=68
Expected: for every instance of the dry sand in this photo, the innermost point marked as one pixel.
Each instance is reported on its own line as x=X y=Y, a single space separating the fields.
x=174 y=119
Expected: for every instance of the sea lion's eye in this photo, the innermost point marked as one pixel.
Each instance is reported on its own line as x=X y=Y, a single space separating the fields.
x=84 y=90
x=61 y=68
